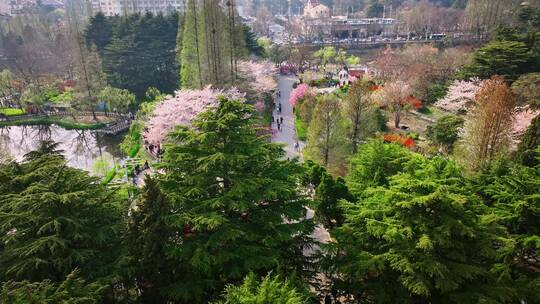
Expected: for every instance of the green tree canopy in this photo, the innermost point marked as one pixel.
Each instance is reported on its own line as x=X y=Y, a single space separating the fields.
x=327 y=196
x=235 y=200
x=326 y=137
x=120 y=100
x=512 y=190
x=252 y=44
x=98 y=32
x=326 y=55
x=54 y=218
x=137 y=51
x=446 y=130
x=271 y=289
x=72 y=290
x=374 y=164
x=509 y=59
x=148 y=236
x=423 y=234
x=527 y=89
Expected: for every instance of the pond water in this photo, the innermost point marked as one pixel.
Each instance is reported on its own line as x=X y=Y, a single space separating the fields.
x=83 y=149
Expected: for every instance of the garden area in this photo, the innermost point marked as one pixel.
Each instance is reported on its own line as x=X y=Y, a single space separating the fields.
x=419 y=96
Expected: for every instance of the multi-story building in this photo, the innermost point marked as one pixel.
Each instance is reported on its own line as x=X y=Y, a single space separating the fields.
x=122 y=7
x=17 y=7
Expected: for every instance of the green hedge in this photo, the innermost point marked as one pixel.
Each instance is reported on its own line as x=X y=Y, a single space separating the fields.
x=52 y=121
x=12 y=111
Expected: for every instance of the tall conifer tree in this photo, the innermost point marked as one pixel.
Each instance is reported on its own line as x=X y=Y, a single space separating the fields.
x=236 y=203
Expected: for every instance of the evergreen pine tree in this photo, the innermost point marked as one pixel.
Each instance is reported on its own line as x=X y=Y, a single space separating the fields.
x=54 y=219
x=512 y=191
x=268 y=290
x=148 y=236
x=374 y=164
x=98 y=32
x=236 y=203
x=327 y=196
x=426 y=236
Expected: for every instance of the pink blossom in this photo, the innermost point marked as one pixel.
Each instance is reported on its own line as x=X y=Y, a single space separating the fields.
x=522 y=121
x=460 y=95
x=181 y=108
x=259 y=75
x=298 y=93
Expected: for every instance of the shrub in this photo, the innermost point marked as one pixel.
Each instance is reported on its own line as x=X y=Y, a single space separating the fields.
x=446 y=130
x=435 y=92
x=382 y=120
x=406 y=141
x=12 y=111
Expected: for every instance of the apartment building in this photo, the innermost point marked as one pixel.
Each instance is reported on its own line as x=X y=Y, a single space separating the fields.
x=121 y=7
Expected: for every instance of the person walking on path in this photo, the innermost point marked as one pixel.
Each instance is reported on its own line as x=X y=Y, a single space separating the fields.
x=281 y=119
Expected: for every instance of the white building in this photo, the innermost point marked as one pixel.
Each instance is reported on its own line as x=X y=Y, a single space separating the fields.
x=315 y=10
x=122 y=7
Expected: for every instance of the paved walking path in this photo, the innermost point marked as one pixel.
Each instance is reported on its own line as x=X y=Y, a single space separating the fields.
x=287 y=136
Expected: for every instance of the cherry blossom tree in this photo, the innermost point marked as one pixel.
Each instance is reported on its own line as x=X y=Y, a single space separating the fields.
x=259 y=77
x=460 y=96
x=522 y=120
x=393 y=96
x=298 y=93
x=180 y=109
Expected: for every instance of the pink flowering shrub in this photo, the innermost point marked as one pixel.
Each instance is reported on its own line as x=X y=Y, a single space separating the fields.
x=460 y=95
x=181 y=108
x=301 y=91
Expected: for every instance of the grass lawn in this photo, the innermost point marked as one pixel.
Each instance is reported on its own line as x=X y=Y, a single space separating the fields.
x=11 y=111
x=435 y=112
x=301 y=128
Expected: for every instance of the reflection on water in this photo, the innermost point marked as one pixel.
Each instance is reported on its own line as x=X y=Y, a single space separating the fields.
x=82 y=148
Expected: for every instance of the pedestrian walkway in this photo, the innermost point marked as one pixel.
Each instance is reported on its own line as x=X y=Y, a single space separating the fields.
x=287 y=134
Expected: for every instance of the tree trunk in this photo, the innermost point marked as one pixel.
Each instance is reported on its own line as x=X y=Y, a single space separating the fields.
x=355 y=133
x=327 y=141
x=397 y=117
